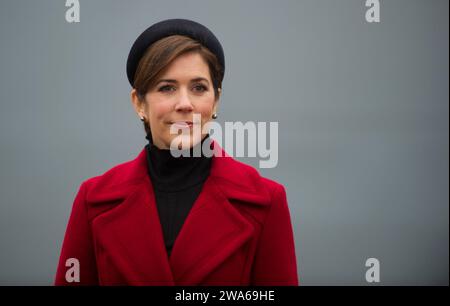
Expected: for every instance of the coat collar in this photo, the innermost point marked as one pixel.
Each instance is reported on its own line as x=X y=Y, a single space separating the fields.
x=214 y=229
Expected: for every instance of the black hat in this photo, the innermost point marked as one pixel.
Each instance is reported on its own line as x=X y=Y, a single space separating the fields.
x=170 y=27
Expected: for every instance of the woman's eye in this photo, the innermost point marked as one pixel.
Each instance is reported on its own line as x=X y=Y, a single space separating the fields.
x=166 y=88
x=200 y=88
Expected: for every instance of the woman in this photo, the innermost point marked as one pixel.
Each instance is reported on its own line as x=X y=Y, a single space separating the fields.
x=166 y=220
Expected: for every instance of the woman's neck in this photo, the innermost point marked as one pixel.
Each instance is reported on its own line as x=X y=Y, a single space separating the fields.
x=171 y=173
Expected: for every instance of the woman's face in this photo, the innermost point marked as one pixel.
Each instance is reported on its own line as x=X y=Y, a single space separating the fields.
x=185 y=88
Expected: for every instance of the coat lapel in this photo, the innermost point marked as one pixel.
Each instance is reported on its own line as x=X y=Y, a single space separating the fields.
x=213 y=231
x=127 y=225
x=129 y=238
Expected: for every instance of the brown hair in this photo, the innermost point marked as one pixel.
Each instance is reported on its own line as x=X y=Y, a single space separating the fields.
x=161 y=54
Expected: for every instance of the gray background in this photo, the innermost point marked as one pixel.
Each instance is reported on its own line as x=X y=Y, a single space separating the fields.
x=363 y=113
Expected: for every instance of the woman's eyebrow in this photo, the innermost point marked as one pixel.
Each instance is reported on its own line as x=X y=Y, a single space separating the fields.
x=200 y=79
x=167 y=80
x=176 y=82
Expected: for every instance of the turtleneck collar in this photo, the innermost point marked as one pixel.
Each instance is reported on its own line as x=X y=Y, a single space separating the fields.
x=169 y=173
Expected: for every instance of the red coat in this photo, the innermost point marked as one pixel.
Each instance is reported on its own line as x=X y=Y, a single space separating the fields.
x=238 y=231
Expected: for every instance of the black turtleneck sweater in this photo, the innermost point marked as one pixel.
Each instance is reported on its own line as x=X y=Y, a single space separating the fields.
x=177 y=182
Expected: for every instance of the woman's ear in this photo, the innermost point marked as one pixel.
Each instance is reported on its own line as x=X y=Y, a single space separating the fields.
x=219 y=92
x=216 y=104
x=216 y=101
x=138 y=105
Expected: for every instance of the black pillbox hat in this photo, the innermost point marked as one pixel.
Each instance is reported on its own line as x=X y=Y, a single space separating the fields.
x=170 y=27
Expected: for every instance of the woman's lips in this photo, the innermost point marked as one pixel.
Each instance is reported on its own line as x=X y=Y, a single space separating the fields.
x=182 y=124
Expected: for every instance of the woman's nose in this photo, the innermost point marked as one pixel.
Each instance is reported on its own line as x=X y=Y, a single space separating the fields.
x=184 y=102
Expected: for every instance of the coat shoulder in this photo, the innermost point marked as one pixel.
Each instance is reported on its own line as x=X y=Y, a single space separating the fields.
x=253 y=173
x=130 y=172
x=249 y=178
